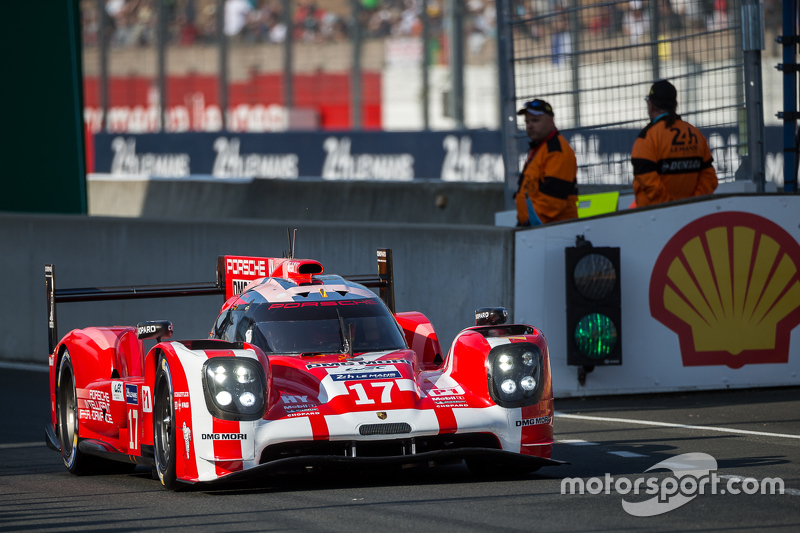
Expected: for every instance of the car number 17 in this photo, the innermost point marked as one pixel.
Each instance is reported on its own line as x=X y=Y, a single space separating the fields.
x=364 y=399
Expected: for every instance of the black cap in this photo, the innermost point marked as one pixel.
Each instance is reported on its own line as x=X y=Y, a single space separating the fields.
x=663 y=95
x=536 y=107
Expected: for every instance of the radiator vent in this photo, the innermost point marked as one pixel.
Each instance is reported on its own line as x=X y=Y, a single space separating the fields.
x=384 y=429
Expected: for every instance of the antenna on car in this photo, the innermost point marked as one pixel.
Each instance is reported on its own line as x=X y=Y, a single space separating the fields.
x=291 y=239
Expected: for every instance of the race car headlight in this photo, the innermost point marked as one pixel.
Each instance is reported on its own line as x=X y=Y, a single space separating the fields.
x=235 y=388
x=514 y=374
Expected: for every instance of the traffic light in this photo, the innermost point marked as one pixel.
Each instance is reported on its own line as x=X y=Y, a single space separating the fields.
x=594 y=328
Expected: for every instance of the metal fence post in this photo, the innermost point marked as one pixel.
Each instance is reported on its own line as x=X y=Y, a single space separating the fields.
x=355 y=73
x=288 y=87
x=455 y=14
x=655 y=58
x=103 y=42
x=752 y=44
x=574 y=57
x=789 y=40
x=508 y=107
x=426 y=28
x=223 y=64
x=161 y=45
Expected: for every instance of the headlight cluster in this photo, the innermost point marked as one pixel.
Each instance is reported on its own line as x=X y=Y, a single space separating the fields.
x=235 y=388
x=515 y=374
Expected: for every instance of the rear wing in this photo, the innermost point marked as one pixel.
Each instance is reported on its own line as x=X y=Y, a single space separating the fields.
x=384 y=282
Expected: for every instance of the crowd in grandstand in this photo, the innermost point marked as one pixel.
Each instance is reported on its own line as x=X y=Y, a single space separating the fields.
x=133 y=22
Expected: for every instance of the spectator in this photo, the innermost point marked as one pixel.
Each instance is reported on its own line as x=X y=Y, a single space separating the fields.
x=236 y=12
x=560 y=39
x=670 y=157
x=548 y=187
x=636 y=22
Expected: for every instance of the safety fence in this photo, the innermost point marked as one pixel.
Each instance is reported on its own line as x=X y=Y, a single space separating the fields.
x=594 y=63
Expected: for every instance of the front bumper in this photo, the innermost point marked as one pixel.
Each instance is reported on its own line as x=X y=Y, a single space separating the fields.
x=499 y=457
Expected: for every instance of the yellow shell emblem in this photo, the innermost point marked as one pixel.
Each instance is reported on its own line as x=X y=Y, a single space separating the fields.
x=728 y=285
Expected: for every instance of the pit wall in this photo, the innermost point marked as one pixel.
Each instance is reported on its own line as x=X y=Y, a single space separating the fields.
x=443 y=271
x=741 y=257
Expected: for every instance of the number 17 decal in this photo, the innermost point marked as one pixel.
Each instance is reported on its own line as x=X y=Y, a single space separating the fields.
x=363 y=399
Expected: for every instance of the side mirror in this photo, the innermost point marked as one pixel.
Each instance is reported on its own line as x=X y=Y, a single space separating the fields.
x=154 y=329
x=490 y=316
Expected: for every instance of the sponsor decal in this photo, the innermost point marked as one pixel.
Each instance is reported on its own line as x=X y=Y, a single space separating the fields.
x=131 y=394
x=238 y=285
x=680 y=166
x=147 y=400
x=127 y=161
x=117 y=391
x=728 y=285
x=479 y=316
x=359 y=363
x=229 y=164
x=224 y=436
x=181 y=405
x=288 y=399
x=187 y=438
x=96 y=407
x=181 y=394
x=438 y=393
x=343 y=303
x=298 y=403
x=339 y=164
x=149 y=329
x=449 y=397
x=246 y=266
x=533 y=421
x=366 y=374
x=460 y=165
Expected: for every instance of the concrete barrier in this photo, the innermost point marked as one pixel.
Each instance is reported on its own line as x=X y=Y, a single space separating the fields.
x=444 y=271
x=429 y=202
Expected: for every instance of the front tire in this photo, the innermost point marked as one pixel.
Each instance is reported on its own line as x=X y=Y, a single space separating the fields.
x=164 y=427
x=67 y=419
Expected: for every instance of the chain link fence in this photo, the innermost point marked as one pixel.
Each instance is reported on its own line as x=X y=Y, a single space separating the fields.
x=594 y=61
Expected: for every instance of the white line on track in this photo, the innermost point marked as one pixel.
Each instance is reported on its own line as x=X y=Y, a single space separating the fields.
x=671 y=425
x=623 y=453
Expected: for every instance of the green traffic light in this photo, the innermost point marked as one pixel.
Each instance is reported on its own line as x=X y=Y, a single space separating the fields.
x=595 y=336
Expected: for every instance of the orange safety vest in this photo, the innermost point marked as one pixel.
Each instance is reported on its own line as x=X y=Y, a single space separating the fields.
x=671 y=162
x=549 y=181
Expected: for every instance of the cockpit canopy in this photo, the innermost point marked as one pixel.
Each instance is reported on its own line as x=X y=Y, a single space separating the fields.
x=312 y=326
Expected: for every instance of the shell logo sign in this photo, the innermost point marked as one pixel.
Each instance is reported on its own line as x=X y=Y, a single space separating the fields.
x=729 y=285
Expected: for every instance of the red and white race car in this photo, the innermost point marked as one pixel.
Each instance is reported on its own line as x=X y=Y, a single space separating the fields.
x=302 y=369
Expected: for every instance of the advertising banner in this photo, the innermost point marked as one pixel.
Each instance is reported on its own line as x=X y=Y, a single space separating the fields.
x=710 y=295
x=459 y=156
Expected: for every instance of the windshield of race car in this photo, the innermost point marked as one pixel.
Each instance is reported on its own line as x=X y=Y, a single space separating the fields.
x=313 y=327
